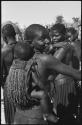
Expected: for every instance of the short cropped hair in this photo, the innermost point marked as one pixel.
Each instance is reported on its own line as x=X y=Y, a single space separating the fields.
x=31 y=32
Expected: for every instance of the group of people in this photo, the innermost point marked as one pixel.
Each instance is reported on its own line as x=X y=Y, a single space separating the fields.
x=40 y=74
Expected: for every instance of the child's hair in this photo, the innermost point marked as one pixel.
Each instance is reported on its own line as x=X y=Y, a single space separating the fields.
x=73 y=32
x=23 y=51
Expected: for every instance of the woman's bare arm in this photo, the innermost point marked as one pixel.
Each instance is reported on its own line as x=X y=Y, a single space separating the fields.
x=54 y=64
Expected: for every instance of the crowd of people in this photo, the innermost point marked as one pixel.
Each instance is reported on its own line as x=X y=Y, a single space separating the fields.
x=41 y=74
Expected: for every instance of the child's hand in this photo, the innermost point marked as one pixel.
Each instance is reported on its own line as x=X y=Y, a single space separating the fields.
x=37 y=94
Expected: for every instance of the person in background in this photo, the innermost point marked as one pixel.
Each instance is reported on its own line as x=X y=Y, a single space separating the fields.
x=65 y=89
x=8 y=36
x=72 y=36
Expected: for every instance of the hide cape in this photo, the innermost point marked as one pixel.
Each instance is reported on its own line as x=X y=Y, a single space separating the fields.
x=19 y=81
x=18 y=87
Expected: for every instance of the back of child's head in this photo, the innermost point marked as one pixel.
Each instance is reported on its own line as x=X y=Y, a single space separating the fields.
x=23 y=51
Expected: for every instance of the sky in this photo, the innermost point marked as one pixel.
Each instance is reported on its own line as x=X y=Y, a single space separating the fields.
x=42 y=12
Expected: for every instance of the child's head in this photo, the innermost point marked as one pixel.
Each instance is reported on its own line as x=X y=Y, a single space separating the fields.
x=72 y=34
x=23 y=51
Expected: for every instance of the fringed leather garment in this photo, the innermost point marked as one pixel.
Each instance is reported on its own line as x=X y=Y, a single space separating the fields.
x=64 y=86
x=65 y=90
x=17 y=91
x=16 y=88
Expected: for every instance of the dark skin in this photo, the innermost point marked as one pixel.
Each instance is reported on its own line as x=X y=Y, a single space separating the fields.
x=49 y=63
x=68 y=56
x=73 y=47
x=7 y=57
x=56 y=37
x=47 y=66
x=76 y=44
x=77 y=49
x=6 y=62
